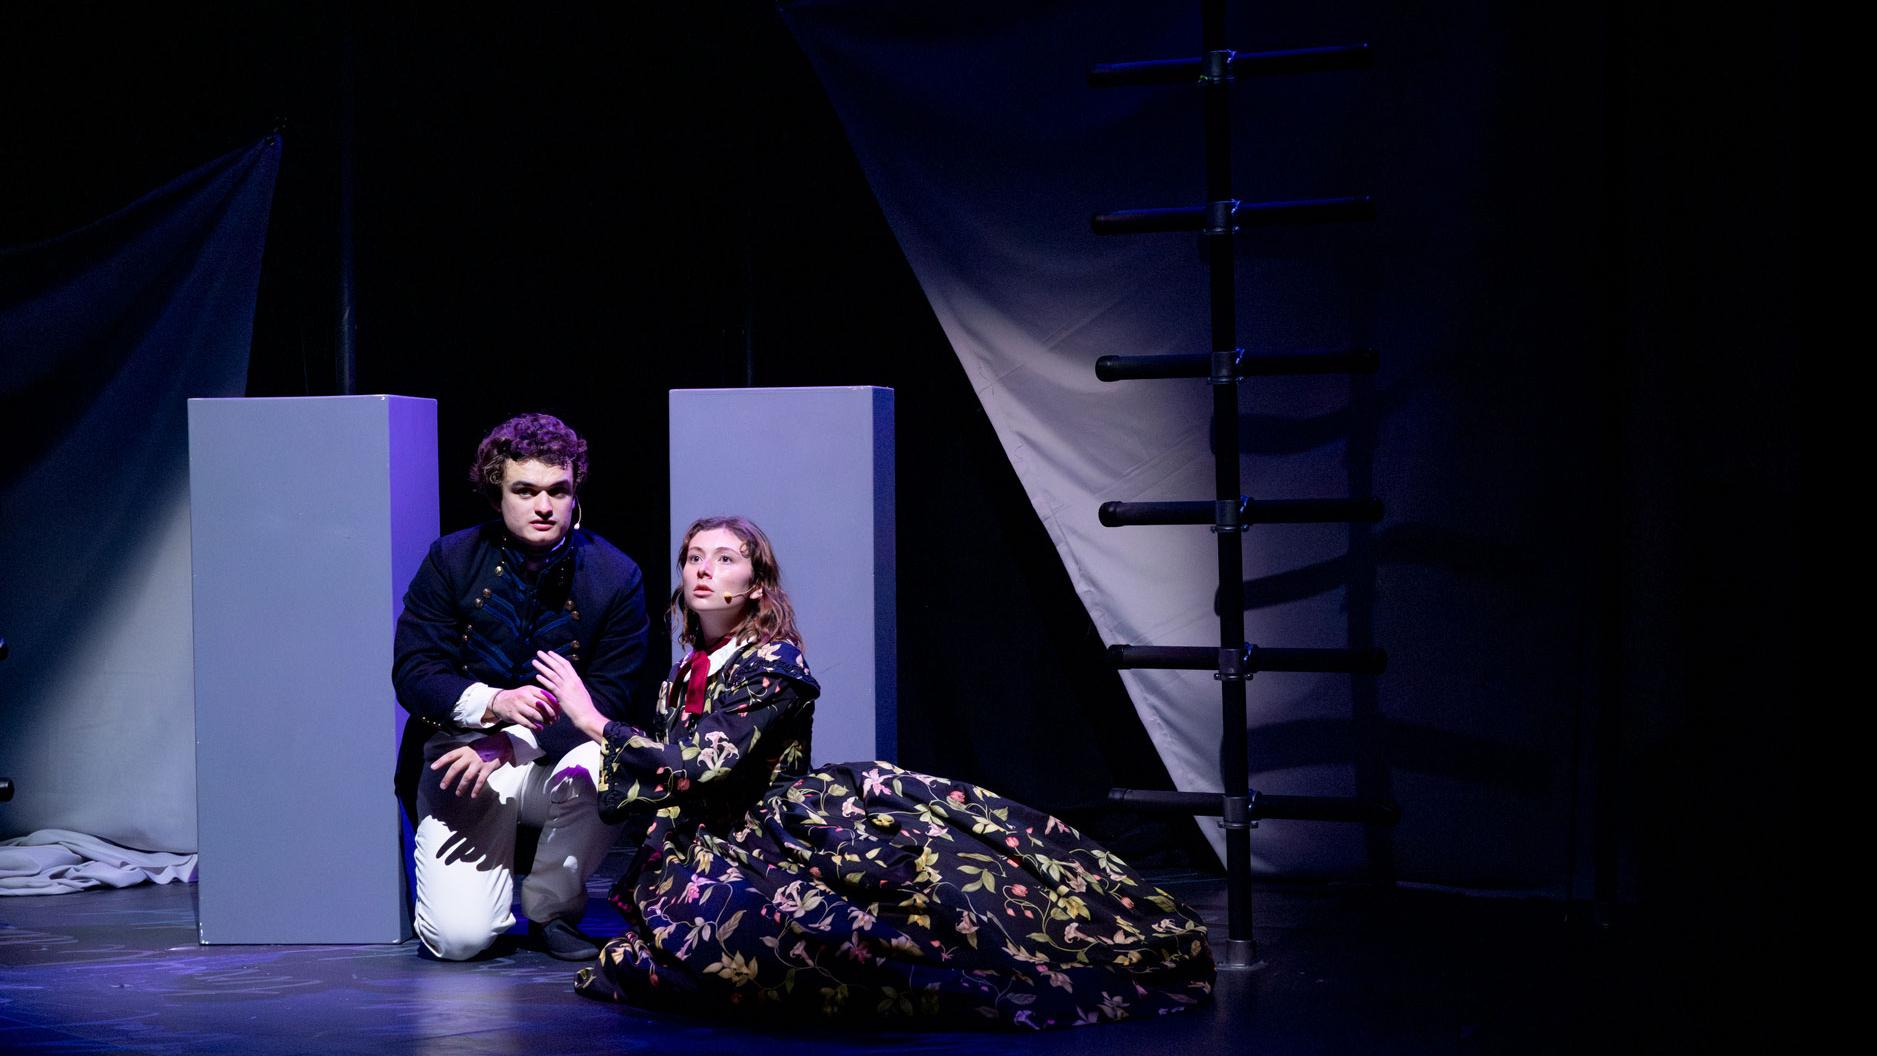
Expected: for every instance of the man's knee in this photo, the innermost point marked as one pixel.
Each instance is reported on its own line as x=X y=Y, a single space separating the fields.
x=455 y=937
x=576 y=774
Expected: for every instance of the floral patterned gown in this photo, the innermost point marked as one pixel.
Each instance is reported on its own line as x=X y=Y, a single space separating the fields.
x=862 y=892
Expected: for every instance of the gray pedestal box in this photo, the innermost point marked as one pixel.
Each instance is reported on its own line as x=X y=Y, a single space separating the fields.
x=308 y=519
x=814 y=468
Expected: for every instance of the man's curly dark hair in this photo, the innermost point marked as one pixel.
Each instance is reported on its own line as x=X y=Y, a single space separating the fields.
x=541 y=437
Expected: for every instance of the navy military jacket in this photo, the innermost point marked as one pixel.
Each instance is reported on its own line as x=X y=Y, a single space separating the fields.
x=473 y=615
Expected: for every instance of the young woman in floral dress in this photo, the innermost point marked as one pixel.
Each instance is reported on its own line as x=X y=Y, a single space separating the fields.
x=852 y=891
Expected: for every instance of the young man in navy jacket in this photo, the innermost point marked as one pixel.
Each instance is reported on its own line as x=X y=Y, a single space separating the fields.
x=494 y=748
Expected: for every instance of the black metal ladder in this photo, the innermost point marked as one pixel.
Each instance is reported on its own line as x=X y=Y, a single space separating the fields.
x=1234 y=661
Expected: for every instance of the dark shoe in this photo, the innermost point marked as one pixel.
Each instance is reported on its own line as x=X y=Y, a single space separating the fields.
x=562 y=941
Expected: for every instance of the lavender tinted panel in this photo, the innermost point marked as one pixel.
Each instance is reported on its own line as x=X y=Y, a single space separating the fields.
x=814 y=468
x=308 y=517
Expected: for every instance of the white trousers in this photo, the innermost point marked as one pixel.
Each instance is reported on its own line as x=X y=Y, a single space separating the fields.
x=465 y=848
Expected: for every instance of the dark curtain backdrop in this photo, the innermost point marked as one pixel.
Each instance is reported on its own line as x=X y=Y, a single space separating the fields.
x=578 y=209
x=1589 y=353
x=105 y=332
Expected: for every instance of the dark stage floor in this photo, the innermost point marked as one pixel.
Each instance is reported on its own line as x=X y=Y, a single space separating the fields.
x=1344 y=971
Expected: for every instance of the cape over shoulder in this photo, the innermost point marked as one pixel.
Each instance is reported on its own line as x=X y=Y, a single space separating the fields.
x=597 y=553
x=780 y=659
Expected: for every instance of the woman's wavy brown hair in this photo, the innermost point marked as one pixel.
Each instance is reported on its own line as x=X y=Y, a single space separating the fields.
x=770 y=618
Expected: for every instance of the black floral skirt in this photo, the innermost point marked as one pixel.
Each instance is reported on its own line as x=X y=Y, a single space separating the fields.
x=867 y=893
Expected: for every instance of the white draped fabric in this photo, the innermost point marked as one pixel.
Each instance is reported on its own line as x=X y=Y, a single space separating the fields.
x=105 y=333
x=988 y=153
x=56 y=862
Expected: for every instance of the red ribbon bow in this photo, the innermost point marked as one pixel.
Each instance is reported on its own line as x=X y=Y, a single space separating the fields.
x=697 y=673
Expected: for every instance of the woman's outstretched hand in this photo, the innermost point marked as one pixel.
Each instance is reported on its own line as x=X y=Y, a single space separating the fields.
x=557 y=674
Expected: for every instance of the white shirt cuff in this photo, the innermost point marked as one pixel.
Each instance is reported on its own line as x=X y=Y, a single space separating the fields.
x=473 y=705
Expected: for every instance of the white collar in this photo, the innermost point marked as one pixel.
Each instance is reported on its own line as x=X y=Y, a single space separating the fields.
x=721 y=655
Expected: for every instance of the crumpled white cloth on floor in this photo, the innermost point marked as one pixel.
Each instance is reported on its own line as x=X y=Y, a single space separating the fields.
x=54 y=861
